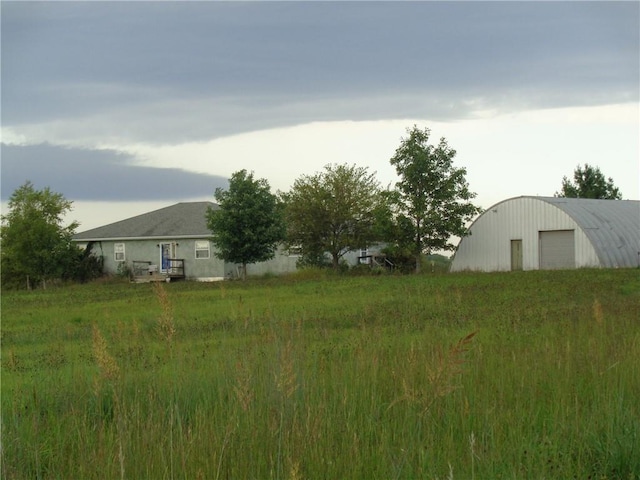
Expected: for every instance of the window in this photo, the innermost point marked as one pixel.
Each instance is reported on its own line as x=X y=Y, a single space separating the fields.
x=118 y=251
x=295 y=251
x=364 y=258
x=202 y=249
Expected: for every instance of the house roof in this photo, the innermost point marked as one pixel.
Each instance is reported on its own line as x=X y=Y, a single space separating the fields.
x=182 y=220
x=612 y=226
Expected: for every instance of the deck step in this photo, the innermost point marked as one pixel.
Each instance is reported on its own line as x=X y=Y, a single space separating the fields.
x=155 y=277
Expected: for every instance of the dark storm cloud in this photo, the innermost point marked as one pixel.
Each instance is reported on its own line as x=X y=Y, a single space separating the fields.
x=98 y=175
x=175 y=71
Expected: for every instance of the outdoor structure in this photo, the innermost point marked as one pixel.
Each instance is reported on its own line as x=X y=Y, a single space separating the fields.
x=530 y=233
x=170 y=243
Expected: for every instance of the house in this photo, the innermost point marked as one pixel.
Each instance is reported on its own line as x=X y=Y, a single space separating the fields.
x=529 y=233
x=172 y=242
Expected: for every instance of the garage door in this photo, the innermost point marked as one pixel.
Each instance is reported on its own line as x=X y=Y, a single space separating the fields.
x=557 y=250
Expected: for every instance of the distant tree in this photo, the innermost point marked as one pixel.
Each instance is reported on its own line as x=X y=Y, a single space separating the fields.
x=333 y=211
x=36 y=246
x=248 y=225
x=433 y=197
x=589 y=182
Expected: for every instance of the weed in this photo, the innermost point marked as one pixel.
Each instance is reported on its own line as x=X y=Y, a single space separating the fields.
x=107 y=365
x=166 y=327
x=440 y=377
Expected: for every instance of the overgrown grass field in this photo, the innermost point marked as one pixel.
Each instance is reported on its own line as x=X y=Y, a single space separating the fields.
x=486 y=376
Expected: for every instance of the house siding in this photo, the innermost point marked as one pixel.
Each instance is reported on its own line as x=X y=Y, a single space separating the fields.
x=149 y=251
x=281 y=263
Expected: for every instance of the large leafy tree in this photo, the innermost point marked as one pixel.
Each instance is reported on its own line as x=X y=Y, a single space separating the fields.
x=36 y=245
x=333 y=211
x=433 y=197
x=589 y=182
x=248 y=226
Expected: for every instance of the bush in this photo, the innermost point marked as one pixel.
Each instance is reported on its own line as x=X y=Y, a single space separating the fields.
x=124 y=271
x=83 y=265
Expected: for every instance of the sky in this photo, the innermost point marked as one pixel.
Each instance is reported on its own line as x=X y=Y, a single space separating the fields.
x=125 y=107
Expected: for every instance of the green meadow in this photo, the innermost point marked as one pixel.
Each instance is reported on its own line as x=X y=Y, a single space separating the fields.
x=523 y=375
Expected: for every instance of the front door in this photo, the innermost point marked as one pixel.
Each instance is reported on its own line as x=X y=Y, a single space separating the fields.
x=167 y=252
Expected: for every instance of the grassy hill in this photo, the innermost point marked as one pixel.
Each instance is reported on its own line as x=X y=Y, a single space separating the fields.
x=510 y=375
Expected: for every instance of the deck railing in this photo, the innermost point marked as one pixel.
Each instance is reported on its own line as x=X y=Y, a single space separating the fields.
x=176 y=268
x=144 y=270
x=141 y=268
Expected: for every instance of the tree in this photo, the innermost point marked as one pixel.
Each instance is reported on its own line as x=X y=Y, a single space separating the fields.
x=589 y=182
x=332 y=212
x=35 y=244
x=396 y=232
x=248 y=225
x=433 y=197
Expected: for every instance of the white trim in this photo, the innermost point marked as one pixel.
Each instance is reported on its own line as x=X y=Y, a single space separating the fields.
x=202 y=249
x=120 y=239
x=119 y=249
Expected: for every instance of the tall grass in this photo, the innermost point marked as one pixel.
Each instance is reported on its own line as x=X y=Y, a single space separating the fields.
x=525 y=375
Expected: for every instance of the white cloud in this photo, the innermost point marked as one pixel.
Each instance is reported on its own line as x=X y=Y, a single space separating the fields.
x=526 y=153
x=10 y=137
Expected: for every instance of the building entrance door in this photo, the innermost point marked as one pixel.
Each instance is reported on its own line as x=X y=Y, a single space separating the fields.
x=516 y=255
x=167 y=252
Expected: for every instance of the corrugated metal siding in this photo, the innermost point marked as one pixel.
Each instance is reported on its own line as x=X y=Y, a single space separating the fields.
x=488 y=248
x=612 y=226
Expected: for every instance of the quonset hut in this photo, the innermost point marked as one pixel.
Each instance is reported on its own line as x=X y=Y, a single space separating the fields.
x=530 y=233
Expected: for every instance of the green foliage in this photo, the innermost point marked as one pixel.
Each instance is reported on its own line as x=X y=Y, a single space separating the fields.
x=82 y=265
x=433 y=196
x=124 y=271
x=36 y=246
x=313 y=259
x=249 y=224
x=332 y=211
x=589 y=182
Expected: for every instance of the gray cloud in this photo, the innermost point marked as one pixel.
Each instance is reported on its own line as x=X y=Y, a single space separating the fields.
x=107 y=73
x=165 y=72
x=98 y=175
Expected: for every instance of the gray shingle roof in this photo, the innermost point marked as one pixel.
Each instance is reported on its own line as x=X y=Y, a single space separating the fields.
x=187 y=219
x=612 y=226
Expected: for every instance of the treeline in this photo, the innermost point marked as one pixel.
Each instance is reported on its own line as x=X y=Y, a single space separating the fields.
x=344 y=208
x=340 y=209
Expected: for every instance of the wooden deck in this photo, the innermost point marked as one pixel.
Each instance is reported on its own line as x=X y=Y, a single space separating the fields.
x=155 y=277
x=146 y=272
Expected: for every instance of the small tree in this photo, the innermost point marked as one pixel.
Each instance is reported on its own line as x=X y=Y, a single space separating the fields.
x=432 y=195
x=248 y=225
x=35 y=244
x=589 y=182
x=332 y=212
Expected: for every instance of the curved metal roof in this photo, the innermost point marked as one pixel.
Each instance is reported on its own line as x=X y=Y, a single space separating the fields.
x=612 y=226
